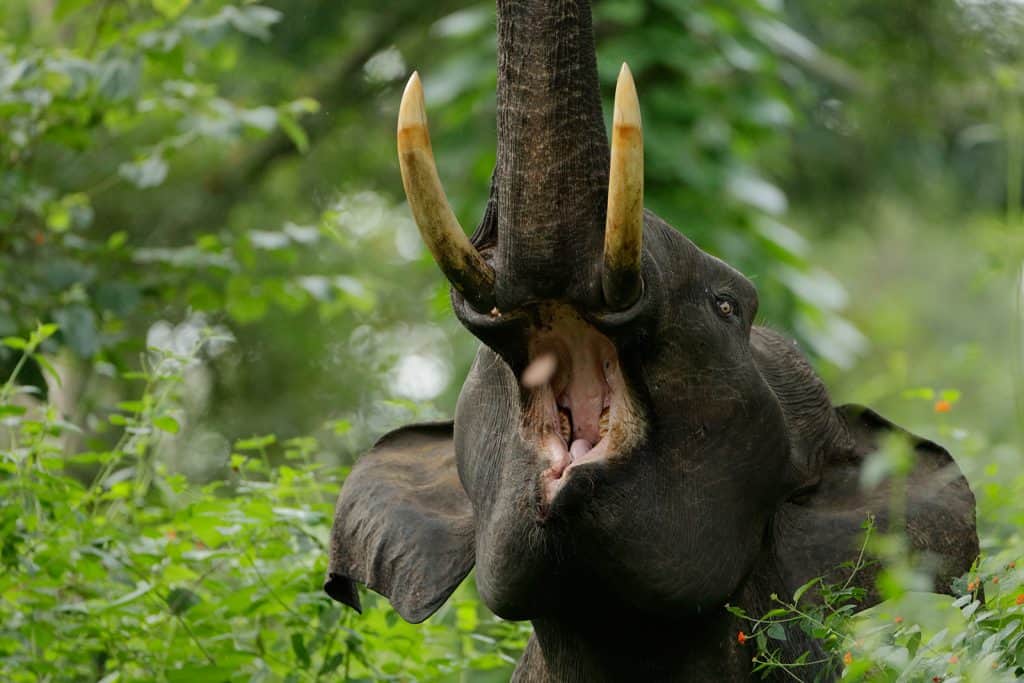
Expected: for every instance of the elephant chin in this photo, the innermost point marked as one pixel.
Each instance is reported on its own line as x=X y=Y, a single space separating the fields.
x=579 y=411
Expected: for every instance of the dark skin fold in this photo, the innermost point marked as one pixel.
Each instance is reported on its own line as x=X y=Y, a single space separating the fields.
x=673 y=459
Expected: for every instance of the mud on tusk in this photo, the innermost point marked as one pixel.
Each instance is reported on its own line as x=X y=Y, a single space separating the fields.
x=460 y=262
x=623 y=236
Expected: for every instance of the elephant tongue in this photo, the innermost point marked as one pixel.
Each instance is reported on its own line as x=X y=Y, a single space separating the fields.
x=579 y=448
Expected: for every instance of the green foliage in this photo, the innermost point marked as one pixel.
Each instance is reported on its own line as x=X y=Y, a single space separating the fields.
x=705 y=172
x=824 y=620
x=978 y=636
x=139 y=575
x=96 y=99
x=212 y=299
x=945 y=639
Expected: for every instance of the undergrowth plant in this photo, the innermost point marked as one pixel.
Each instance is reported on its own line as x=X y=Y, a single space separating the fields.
x=976 y=636
x=114 y=568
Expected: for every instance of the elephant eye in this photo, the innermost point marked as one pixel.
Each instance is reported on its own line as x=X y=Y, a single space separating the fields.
x=725 y=307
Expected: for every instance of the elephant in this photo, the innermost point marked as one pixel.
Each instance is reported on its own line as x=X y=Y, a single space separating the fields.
x=629 y=452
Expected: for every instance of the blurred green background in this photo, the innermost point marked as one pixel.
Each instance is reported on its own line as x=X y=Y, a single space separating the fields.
x=172 y=170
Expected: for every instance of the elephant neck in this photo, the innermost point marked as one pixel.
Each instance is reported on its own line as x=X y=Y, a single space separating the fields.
x=619 y=647
x=612 y=644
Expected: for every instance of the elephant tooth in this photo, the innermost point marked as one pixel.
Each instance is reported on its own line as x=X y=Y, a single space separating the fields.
x=602 y=424
x=565 y=424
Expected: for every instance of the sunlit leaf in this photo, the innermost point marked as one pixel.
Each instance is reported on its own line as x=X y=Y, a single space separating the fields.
x=167 y=424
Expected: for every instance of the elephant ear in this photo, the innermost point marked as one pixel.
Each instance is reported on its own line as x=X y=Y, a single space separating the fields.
x=821 y=528
x=403 y=525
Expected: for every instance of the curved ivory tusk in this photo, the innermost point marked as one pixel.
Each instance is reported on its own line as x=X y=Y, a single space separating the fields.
x=623 y=233
x=461 y=263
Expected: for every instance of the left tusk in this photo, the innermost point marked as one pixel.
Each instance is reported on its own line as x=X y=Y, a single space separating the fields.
x=461 y=263
x=624 y=230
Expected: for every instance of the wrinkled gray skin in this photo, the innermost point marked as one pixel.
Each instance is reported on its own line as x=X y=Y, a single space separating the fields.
x=742 y=479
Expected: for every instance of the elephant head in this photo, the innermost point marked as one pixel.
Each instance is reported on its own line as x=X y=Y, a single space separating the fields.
x=629 y=452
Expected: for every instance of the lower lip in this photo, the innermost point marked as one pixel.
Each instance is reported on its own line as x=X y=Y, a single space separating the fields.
x=562 y=463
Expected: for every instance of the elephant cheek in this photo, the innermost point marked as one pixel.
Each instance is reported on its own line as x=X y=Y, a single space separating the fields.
x=515 y=575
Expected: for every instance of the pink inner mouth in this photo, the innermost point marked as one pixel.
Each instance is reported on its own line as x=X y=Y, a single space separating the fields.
x=577 y=396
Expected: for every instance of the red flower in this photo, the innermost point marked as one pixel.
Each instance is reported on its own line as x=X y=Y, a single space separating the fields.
x=848 y=659
x=943 y=406
x=936 y=679
x=972 y=586
x=898 y=620
x=741 y=637
x=1020 y=599
x=953 y=659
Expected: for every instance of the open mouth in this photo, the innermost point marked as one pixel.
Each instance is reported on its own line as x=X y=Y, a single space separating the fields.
x=579 y=412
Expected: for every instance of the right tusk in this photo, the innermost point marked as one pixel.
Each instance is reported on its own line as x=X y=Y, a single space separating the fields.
x=624 y=230
x=459 y=260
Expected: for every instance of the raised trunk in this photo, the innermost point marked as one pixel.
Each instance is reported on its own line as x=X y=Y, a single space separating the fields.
x=551 y=176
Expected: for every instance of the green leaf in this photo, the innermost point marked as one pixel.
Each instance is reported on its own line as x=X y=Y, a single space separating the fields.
x=171 y=9
x=119 y=79
x=245 y=300
x=117 y=240
x=15 y=343
x=149 y=171
x=119 y=297
x=332 y=663
x=923 y=393
x=299 y=648
x=291 y=127
x=253 y=20
x=778 y=612
x=804 y=588
x=303 y=105
x=262 y=119
x=47 y=367
x=42 y=333
x=466 y=617
x=78 y=325
x=201 y=674
x=141 y=589
x=255 y=443
x=166 y=423
x=181 y=600
x=58 y=218
x=65 y=8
